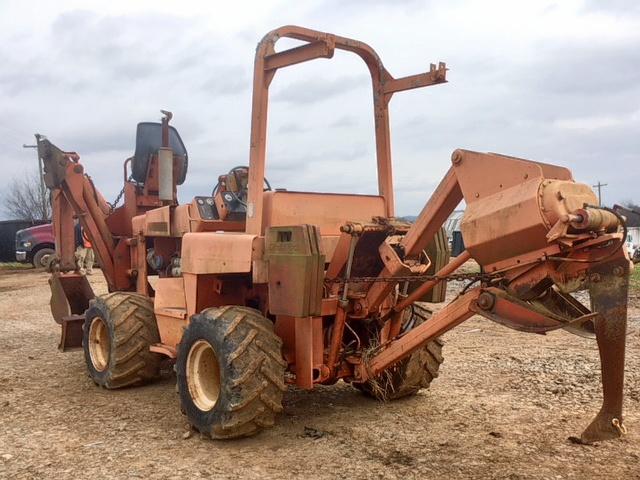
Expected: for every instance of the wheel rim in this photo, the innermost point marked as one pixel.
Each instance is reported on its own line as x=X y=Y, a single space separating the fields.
x=203 y=375
x=99 y=344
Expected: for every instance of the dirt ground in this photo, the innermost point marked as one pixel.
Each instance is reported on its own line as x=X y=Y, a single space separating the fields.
x=503 y=407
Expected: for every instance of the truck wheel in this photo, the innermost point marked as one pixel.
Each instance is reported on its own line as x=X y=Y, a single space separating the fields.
x=410 y=375
x=119 y=328
x=230 y=372
x=40 y=257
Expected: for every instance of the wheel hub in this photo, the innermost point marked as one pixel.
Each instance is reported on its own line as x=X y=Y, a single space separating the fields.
x=203 y=375
x=99 y=344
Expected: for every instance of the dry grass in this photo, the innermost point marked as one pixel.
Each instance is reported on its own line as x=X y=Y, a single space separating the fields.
x=15 y=266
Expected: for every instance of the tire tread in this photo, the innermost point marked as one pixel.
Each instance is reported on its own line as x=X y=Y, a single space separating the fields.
x=133 y=328
x=410 y=375
x=253 y=371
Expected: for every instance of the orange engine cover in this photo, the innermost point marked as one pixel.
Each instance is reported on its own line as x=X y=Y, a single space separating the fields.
x=512 y=203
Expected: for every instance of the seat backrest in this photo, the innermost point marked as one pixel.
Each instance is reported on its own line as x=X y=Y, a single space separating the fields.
x=148 y=141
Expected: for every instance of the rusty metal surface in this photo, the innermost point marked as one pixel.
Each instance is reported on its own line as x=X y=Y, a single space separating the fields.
x=319 y=45
x=449 y=317
x=213 y=252
x=70 y=295
x=422 y=290
x=530 y=220
x=498 y=306
x=170 y=309
x=339 y=309
x=157 y=222
x=438 y=252
x=308 y=340
x=609 y=296
x=71 y=333
x=328 y=211
x=509 y=214
x=442 y=203
x=296 y=270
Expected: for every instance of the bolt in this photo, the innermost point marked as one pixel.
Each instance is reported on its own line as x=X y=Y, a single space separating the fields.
x=618 y=271
x=594 y=277
x=486 y=301
x=77 y=169
x=456 y=157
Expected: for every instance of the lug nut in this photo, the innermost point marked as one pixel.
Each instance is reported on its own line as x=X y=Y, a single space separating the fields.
x=486 y=301
x=594 y=277
x=618 y=271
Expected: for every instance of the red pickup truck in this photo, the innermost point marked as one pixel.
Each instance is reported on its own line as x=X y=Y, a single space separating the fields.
x=34 y=244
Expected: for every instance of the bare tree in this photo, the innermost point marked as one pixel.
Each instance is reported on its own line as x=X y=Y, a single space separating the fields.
x=24 y=199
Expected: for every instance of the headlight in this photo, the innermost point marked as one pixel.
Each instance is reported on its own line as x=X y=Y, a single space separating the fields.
x=26 y=244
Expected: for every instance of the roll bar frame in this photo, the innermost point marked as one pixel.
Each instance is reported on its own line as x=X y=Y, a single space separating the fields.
x=323 y=45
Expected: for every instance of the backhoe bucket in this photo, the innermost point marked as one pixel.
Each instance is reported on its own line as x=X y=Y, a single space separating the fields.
x=70 y=296
x=609 y=299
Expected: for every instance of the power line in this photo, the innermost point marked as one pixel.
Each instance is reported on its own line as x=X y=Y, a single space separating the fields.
x=599 y=187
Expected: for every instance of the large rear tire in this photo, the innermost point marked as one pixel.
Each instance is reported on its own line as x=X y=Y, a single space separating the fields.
x=230 y=372
x=118 y=330
x=410 y=375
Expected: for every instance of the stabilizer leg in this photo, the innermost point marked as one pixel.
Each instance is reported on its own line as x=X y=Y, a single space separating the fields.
x=609 y=297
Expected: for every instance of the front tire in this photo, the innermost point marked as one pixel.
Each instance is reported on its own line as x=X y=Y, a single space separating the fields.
x=119 y=328
x=230 y=372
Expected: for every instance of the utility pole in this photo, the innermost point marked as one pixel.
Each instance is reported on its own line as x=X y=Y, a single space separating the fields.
x=599 y=187
x=43 y=189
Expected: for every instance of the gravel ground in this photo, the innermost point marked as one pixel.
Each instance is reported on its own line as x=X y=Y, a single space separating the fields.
x=503 y=407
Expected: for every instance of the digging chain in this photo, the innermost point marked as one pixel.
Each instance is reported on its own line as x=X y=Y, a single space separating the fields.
x=461 y=277
x=112 y=206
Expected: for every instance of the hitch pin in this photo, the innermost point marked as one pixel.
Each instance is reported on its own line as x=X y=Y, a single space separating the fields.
x=621 y=428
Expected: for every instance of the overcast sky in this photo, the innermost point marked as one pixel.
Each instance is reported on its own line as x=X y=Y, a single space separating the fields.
x=554 y=81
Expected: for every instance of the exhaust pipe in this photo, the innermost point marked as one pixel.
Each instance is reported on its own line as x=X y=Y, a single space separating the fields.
x=165 y=174
x=165 y=161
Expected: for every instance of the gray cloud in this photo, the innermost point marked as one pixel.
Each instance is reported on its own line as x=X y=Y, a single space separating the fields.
x=226 y=80
x=291 y=127
x=579 y=68
x=619 y=7
x=344 y=121
x=317 y=90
